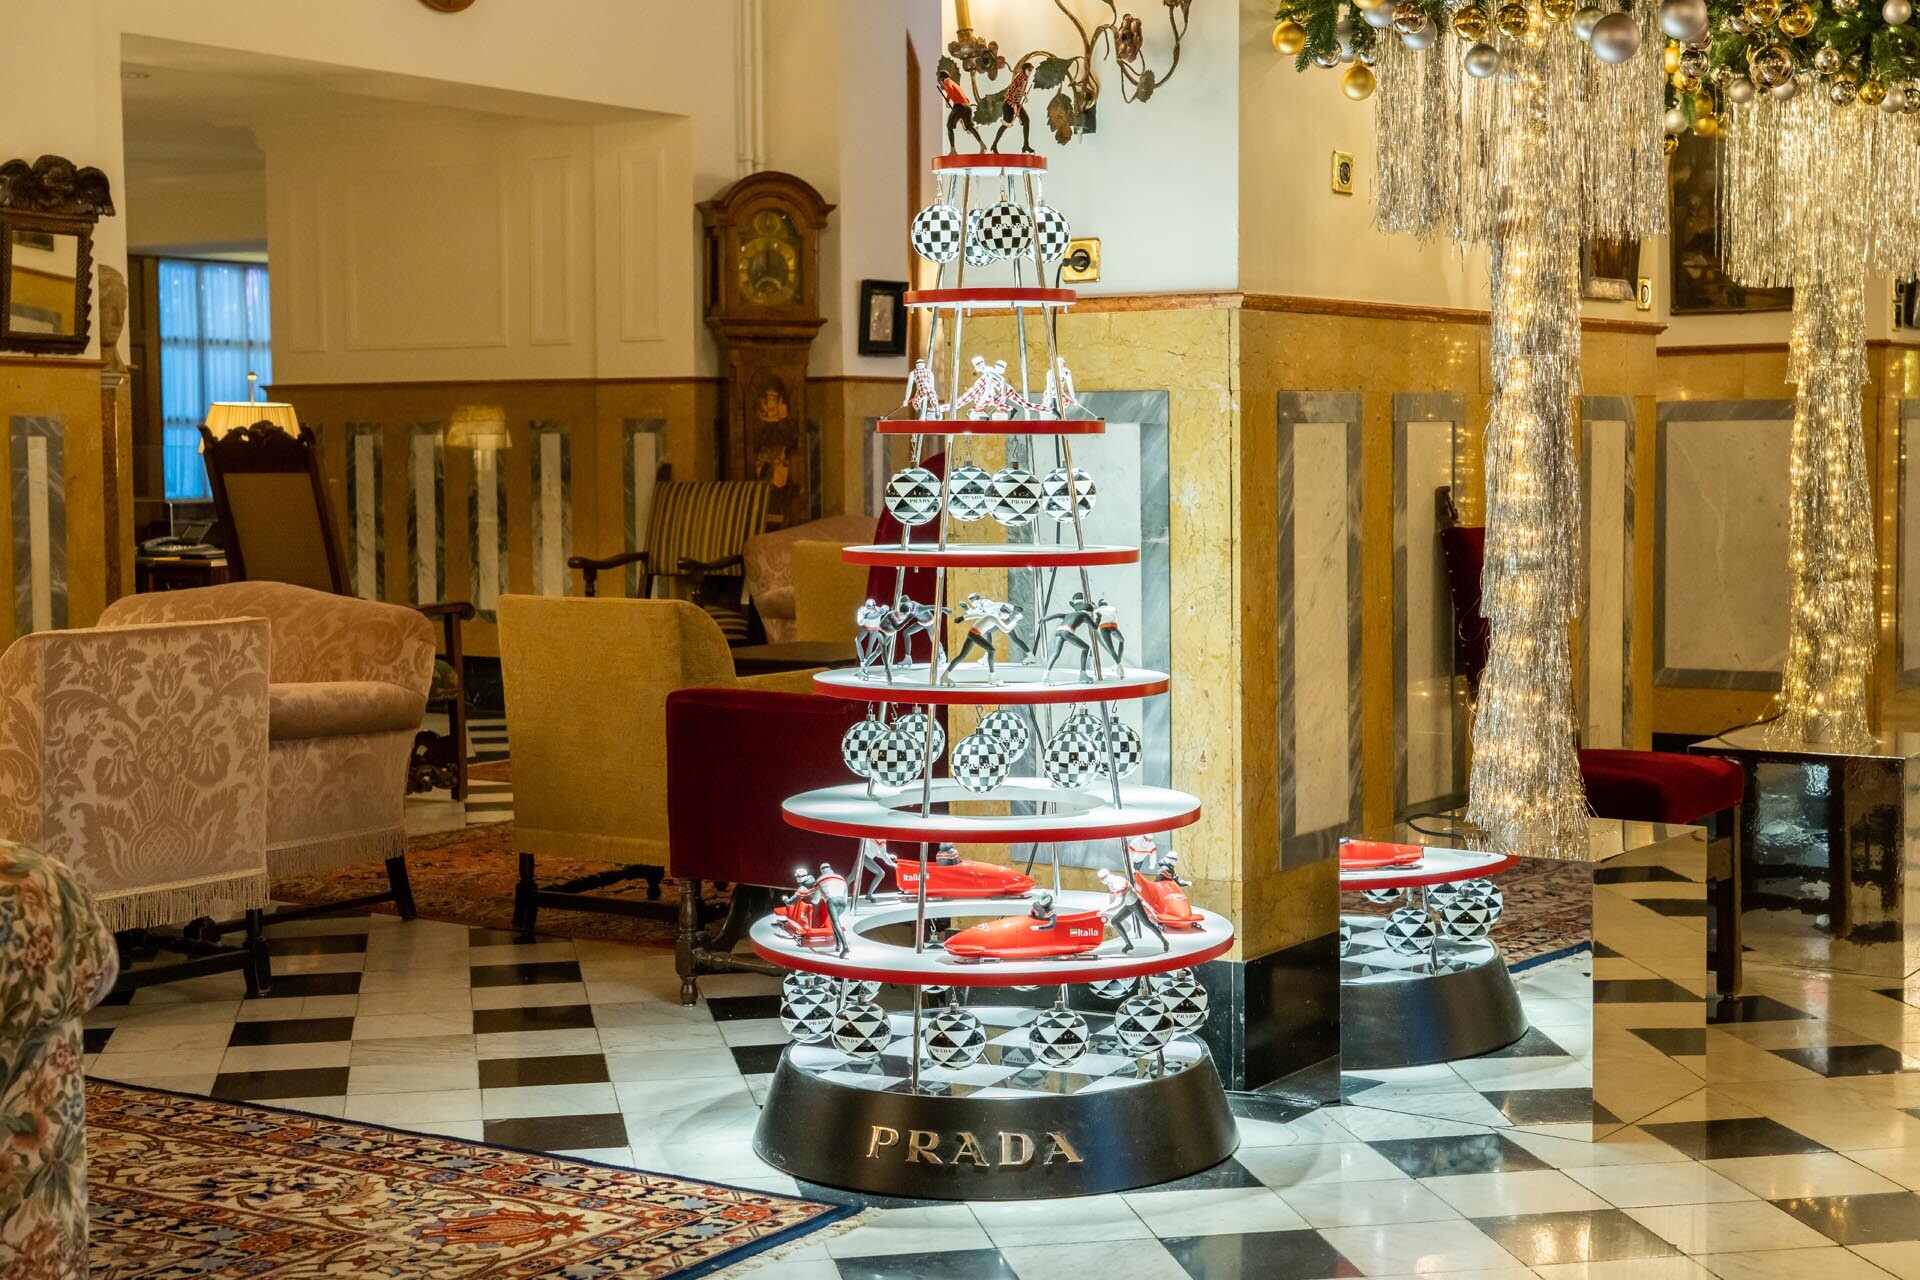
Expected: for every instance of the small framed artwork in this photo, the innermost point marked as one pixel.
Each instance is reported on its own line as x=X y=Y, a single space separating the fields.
x=883 y=317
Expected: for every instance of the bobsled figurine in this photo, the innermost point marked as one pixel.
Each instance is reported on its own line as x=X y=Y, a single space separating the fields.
x=1157 y=881
x=1042 y=934
x=1124 y=906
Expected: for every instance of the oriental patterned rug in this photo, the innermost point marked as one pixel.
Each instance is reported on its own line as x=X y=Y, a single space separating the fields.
x=186 y=1188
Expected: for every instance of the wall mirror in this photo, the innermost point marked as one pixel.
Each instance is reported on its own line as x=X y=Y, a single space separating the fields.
x=47 y=212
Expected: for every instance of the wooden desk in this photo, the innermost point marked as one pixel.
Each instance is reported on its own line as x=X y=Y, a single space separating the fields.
x=176 y=573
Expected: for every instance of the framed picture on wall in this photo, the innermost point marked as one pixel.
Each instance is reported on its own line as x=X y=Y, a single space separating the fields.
x=1701 y=285
x=883 y=317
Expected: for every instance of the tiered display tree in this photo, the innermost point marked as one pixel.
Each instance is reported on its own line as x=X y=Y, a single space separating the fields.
x=913 y=1071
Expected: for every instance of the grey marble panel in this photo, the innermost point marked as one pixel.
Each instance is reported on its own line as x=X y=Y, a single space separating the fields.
x=38 y=455
x=487 y=530
x=874 y=468
x=1311 y=822
x=366 y=513
x=1429 y=702
x=1607 y=453
x=1906 y=563
x=1720 y=565
x=643 y=447
x=552 y=507
x=426 y=512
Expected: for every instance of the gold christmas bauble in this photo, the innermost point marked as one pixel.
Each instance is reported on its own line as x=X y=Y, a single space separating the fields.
x=1513 y=20
x=1685 y=82
x=1707 y=126
x=1470 y=23
x=1289 y=37
x=1357 y=82
x=1762 y=12
x=1668 y=143
x=1796 y=20
x=1670 y=57
x=1872 y=92
x=1368 y=5
x=1769 y=65
x=1558 y=10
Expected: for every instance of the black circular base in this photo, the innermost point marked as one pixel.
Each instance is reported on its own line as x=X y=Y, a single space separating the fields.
x=1415 y=1018
x=1033 y=1147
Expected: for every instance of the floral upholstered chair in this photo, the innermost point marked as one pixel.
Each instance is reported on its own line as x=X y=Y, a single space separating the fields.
x=56 y=961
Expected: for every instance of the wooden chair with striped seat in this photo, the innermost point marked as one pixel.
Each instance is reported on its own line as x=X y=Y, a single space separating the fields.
x=697 y=535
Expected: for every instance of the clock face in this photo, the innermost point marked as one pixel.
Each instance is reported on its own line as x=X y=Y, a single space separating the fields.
x=767 y=271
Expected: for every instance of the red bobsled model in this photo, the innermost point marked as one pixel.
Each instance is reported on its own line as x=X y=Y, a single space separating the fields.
x=1378 y=855
x=1166 y=897
x=951 y=876
x=1041 y=935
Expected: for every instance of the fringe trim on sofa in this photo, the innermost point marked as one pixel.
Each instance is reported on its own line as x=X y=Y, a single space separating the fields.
x=285 y=862
x=177 y=904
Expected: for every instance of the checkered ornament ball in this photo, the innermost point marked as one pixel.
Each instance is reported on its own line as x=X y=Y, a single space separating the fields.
x=1072 y=757
x=858 y=743
x=969 y=493
x=1014 y=496
x=1409 y=931
x=1184 y=999
x=1382 y=896
x=857 y=990
x=1439 y=895
x=917 y=723
x=1055 y=488
x=978 y=255
x=1144 y=1025
x=913 y=496
x=1112 y=988
x=1058 y=1037
x=936 y=233
x=860 y=1030
x=1128 y=750
x=897 y=758
x=1488 y=892
x=1346 y=936
x=808 y=1015
x=1466 y=917
x=799 y=981
x=1053 y=230
x=1005 y=230
x=1009 y=729
x=954 y=1038
x=979 y=762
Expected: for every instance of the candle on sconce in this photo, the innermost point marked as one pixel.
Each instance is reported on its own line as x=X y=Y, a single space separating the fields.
x=962 y=17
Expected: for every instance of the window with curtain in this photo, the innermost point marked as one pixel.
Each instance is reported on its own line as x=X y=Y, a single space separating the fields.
x=213 y=331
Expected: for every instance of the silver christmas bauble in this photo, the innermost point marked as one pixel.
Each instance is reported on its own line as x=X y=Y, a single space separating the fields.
x=1584 y=21
x=1676 y=121
x=860 y=1030
x=1143 y=1025
x=1895 y=101
x=1739 y=23
x=1408 y=20
x=1058 y=1037
x=1009 y=729
x=1684 y=20
x=1409 y=931
x=1846 y=6
x=954 y=1038
x=1909 y=95
x=1843 y=91
x=1693 y=62
x=1071 y=758
x=1326 y=59
x=897 y=758
x=1422 y=36
x=1481 y=61
x=1112 y=988
x=1014 y=496
x=808 y=1016
x=1785 y=89
x=1380 y=17
x=969 y=492
x=913 y=496
x=979 y=762
x=1826 y=60
x=1615 y=38
x=1055 y=489
x=1896 y=12
x=1739 y=89
x=857 y=744
x=920 y=724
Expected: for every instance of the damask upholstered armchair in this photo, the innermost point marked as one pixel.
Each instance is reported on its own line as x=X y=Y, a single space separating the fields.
x=348 y=689
x=56 y=962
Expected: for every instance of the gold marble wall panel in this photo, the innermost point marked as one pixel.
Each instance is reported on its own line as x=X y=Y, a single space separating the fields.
x=67 y=392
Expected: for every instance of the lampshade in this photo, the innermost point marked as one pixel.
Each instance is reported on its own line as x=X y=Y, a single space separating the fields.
x=230 y=415
x=478 y=426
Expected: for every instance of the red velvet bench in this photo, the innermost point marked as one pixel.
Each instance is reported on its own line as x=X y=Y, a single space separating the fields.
x=1664 y=786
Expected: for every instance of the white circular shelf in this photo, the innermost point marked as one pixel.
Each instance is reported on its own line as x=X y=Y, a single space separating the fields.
x=990 y=426
x=894 y=813
x=1436 y=866
x=989 y=163
x=989 y=555
x=871 y=960
x=1019 y=685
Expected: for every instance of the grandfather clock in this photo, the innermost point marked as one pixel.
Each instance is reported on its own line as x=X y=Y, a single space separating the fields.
x=763 y=305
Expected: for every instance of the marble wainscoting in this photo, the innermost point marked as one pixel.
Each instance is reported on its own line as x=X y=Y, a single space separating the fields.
x=37 y=450
x=1604 y=679
x=366 y=516
x=487 y=529
x=642 y=450
x=1430 y=701
x=1318 y=486
x=1720 y=545
x=426 y=505
x=552 y=507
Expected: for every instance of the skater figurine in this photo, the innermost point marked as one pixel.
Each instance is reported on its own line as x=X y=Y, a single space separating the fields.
x=814 y=909
x=1058 y=397
x=990 y=396
x=1124 y=905
x=923 y=398
x=872 y=642
x=959 y=110
x=1169 y=870
x=1145 y=856
x=830 y=889
x=1107 y=627
x=910 y=619
x=1079 y=614
x=875 y=862
x=1013 y=107
x=987 y=617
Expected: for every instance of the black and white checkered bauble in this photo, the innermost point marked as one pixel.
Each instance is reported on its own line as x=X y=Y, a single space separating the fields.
x=954 y=1038
x=1084 y=719
x=857 y=744
x=1382 y=895
x=1346 y=936
x=798 y=981
x=897 y=758
x=1014 y=496
x=808 y=1015
x=1072 y=757
x=1054 y=487
x=1409 y=931
x=1467 y=917
x=979 y=762
x=918 y=723
x=969 y=493
x=1128 y=749
x=913 y=496
x=1144 y=1025
x=936 y=233
x=1006 y=230
x=1183 y=997
x=1058 y=1037
x=978 y=255
x=1009 y=729
x=860 y=1029
x=1488 y=892
x=1113 y=988
x=858 y=990
x=1439 y=895
x=1055 y=235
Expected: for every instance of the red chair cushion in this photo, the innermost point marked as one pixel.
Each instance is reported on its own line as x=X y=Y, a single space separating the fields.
x=732 y=756
x=1465 y=550
x=1659 y=786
